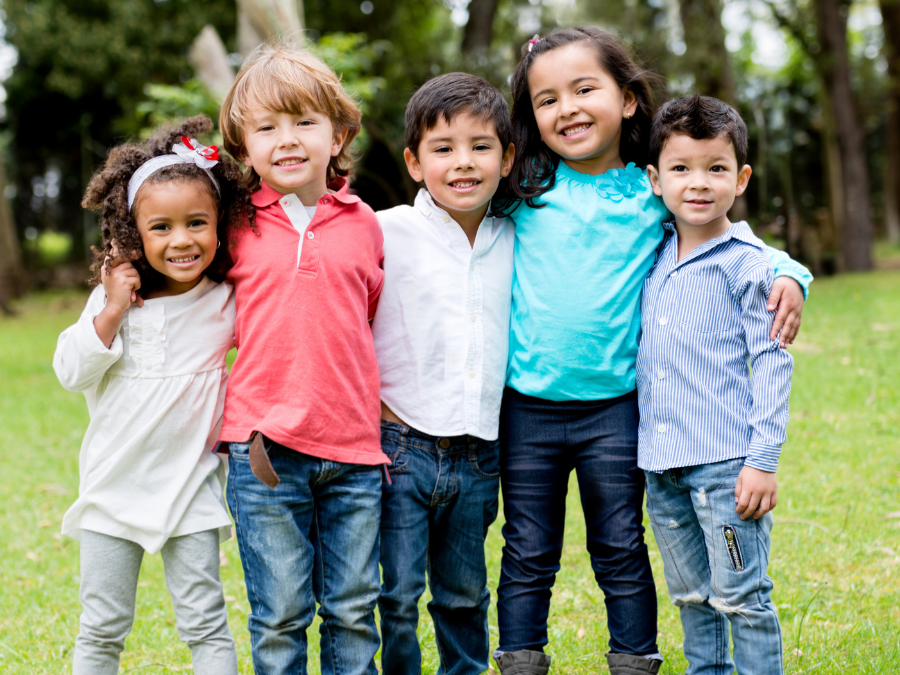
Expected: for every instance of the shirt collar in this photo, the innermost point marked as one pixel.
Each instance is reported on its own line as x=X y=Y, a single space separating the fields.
x=425 y=204
x=739 y=230
x=266 y=195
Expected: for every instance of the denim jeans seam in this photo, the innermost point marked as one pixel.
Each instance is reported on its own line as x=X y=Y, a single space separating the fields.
x=662 y=535
x=473 y=462
x=248 y=577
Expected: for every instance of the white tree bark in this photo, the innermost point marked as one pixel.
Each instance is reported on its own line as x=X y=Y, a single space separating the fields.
x=262 y=20
x=209 y=59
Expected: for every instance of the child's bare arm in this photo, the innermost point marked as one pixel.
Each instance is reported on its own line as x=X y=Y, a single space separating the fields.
x=756 y=493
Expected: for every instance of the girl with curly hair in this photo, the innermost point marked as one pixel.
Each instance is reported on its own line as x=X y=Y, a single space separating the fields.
x=149 y=354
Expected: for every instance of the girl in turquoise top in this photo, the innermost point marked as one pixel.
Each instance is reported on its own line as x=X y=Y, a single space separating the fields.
x=587 y=229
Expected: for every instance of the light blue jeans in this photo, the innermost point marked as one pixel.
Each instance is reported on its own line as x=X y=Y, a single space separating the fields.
x=715 y=567
x=312 y=539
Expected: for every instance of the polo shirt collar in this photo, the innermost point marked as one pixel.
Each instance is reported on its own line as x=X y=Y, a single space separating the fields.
x=266 y=195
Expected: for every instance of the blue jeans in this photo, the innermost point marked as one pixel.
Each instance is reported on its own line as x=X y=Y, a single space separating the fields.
x=435 y=517
x=313 y=538
x=715 y=567
x=542 y=442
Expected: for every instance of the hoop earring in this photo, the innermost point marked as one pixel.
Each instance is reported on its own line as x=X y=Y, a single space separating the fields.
x=218 y=243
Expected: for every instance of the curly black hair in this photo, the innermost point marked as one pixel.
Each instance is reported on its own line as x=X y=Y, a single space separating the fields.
x=107 y=195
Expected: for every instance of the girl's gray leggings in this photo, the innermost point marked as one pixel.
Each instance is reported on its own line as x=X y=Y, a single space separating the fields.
x=109 y=574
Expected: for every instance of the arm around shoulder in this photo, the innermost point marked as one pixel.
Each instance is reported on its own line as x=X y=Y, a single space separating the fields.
x=81 y=358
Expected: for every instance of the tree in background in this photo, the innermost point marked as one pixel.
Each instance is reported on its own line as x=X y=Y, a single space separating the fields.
x=824 y=38
x=890 y=15
x=81 y=73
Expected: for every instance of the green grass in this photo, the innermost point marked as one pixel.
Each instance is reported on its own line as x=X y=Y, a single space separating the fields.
x=835 y=555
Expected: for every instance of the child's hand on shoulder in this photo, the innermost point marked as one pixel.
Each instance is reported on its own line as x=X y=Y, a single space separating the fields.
x=787 y=296
x=756 y=493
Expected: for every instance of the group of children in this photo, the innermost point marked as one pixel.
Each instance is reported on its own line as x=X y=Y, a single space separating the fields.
x=536 y=311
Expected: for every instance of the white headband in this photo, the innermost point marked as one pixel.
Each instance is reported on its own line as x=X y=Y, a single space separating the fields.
x=189 y=151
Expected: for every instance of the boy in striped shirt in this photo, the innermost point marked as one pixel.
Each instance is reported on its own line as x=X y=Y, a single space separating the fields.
x=710 y=434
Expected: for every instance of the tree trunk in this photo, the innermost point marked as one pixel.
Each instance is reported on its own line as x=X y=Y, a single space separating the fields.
x=262 y=20
x=856 y=234
x=890 y=21
x=706 y=55
x=480 y=26
x=11 y=271
x=209 y=59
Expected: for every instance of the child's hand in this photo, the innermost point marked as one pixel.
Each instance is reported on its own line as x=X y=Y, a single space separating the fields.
x=121 y=284
x=787 y=296
x=756 y=493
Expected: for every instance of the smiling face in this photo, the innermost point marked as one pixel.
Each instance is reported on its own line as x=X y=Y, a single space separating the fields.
x=579 y=108
x=178 y=222
x=461 y=163
x=698 y=180
x=291 y=152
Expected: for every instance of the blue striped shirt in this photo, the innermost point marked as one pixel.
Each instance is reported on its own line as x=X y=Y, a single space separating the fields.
x=703 y=321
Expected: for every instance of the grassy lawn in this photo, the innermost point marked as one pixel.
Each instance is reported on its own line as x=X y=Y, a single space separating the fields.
x=836 y=548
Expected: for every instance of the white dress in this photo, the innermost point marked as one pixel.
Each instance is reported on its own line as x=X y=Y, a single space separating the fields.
x=155 y=399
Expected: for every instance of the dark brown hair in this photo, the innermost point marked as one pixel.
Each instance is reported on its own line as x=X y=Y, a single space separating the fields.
x=281 y=78
x=699 y=117
x=534 y=169
x=454 y=94
x=107 y=195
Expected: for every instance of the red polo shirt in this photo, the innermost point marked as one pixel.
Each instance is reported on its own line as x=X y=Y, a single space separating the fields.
x=306 y=374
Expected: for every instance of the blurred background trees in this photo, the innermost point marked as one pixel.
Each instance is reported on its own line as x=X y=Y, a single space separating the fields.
x=818 y=82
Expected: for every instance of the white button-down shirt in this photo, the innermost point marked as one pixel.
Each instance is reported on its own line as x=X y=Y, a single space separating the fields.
x=442 y=326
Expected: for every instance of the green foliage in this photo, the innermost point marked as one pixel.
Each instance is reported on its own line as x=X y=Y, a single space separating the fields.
x=166 y=102
x=82 y=69
x=835 y=550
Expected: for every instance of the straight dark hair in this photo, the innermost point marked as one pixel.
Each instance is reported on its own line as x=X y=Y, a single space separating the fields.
x=699 y=117
x=534 y=169
x=454 y=94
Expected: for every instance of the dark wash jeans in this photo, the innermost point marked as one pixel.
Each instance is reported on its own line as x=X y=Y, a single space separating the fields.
x=435 y=517
x=541 y=443
x=313 y=538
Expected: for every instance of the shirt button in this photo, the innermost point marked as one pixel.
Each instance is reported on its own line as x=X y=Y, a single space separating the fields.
x=661 y=428
x=474 y=318
x=472 y=374
x=446 y=219
x=310 y=235
x=660 y=374
x=326 y=201
x=284 y=202
x=472 y=267
x=663 y=321
x=674 y=274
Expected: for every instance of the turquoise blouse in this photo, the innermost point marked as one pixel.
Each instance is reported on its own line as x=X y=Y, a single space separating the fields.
x=580 y=264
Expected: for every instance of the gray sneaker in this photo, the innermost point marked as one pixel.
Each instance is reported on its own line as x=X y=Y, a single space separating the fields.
x=522 y=662
x=629 y=664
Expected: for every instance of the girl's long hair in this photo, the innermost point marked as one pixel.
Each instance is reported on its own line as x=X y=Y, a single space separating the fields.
x=107 y=195
x=534 y=168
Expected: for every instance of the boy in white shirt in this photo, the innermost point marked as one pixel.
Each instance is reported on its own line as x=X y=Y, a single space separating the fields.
x=441 y=337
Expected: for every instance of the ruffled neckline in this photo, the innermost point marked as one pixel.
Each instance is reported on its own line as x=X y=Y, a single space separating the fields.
x=615 y=184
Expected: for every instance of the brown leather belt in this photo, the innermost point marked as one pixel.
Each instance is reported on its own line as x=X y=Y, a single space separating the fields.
x=260 y=464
